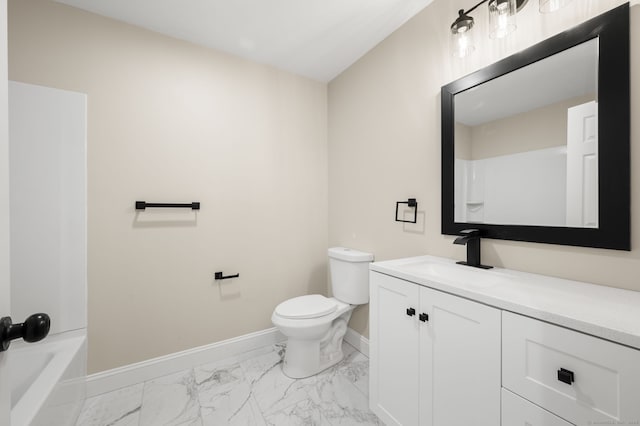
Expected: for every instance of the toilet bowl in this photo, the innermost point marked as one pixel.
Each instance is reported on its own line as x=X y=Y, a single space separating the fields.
x=315 y=325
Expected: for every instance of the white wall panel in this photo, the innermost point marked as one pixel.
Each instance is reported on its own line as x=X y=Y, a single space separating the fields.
x=47 y=135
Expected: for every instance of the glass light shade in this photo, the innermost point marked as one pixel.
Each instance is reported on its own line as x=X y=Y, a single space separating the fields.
x=547 y=6
x=502 y=18
x=461 y=35
x=462 y=43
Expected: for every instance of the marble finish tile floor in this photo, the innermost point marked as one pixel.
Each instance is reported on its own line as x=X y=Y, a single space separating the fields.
x=247 y=390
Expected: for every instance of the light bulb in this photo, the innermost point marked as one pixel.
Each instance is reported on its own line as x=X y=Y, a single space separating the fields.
x=462 y=43
x=502 y=18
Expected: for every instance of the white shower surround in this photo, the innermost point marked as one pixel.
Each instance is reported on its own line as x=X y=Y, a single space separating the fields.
x=536 y=197
x=48 y=251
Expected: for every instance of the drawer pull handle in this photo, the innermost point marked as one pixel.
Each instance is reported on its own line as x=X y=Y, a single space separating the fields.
x=411 y=312
x=565 y=376
x=423 y=317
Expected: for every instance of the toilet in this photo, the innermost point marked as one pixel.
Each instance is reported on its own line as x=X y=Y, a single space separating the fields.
x=314 y=324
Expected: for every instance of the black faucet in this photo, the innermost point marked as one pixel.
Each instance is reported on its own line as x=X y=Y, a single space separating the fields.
x=471 y=238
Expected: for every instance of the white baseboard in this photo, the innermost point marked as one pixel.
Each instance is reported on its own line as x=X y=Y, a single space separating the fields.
x=357 y=340
x=131 y=374
x=107 y=381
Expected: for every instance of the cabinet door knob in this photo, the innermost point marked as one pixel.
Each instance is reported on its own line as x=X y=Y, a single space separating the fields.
x=411 y=312
x=565 y=376
x=424 y=317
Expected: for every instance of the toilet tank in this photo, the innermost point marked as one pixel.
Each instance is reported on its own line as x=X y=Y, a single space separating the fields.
x=350 y=275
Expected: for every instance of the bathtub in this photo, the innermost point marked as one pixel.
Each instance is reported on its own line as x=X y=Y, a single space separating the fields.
x=48 y=380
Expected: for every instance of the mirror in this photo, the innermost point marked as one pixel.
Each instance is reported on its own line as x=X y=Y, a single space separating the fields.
x=536 y=146
x=526 y=144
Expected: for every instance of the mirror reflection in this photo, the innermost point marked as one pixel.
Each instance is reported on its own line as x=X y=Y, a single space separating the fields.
x=526 y=144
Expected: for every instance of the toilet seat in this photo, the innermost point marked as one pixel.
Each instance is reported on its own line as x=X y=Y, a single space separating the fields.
x=306 y=307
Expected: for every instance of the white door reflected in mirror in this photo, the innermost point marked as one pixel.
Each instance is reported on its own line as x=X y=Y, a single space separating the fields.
x=582 y=166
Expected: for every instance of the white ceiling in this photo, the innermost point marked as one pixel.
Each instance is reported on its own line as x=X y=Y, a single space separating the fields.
x=314 y=38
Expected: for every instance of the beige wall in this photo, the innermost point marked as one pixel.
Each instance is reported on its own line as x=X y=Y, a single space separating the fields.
x=384 y=146
x=172 y=122
x=169 y=121
x=540 y=128
x=462 y=145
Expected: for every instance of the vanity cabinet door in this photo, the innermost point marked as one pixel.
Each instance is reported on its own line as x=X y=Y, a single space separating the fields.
x=434 y=357
x=393 y=348
x=460 y=361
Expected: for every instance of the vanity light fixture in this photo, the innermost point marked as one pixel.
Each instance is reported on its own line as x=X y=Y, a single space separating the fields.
x=502 y=22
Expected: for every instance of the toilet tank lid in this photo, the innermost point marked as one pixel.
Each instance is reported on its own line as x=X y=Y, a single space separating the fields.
x=309 y=306
x=350 y=255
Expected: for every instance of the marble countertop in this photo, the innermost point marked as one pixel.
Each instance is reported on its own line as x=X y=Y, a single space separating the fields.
x=605 y=312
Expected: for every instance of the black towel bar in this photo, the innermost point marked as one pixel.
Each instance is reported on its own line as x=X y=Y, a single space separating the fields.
x=141 y=205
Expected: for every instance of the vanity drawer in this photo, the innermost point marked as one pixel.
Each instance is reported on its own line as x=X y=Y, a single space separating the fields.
x=517 y=411
x=538 y=359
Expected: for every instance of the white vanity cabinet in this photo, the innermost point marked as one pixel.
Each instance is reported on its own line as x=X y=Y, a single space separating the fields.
x=500 y=347
x=434 y=357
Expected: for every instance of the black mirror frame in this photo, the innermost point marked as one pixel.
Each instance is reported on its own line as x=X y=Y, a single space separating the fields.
x=612 y=28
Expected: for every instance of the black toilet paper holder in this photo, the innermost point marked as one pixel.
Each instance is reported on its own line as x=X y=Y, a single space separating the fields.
x=219 y=276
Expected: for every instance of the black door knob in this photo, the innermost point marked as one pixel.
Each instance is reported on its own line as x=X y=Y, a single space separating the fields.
x=33 y=329
x=423 y=317
x=411 y=312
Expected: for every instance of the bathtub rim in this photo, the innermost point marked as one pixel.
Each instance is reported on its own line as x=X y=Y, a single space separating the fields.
x=65 y=346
